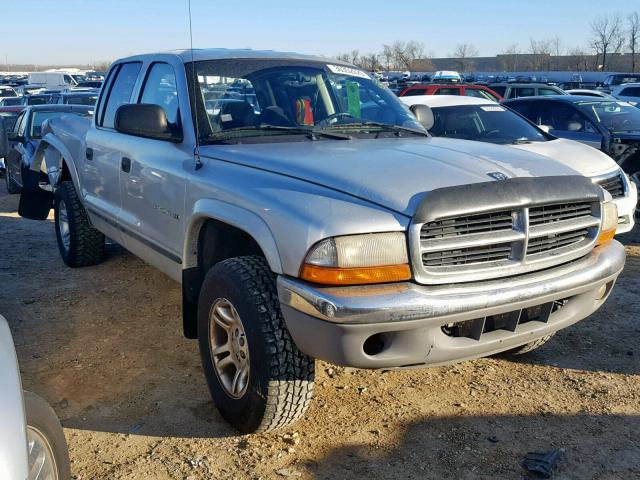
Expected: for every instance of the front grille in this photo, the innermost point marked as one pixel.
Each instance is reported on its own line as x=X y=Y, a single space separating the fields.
x=466 y=256
x=481 y=223
x=614 y=185
x=506 y=241
x=550 y=242
x=555 y=213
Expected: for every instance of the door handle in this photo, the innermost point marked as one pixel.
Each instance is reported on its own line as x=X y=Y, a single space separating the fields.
x=126 y=164
x=89 y=153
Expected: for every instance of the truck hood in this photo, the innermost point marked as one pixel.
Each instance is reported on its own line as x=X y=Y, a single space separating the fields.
x=394 y=173
x=584 y=159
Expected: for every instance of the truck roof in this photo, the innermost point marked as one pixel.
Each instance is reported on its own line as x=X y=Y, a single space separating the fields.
x=199 y=54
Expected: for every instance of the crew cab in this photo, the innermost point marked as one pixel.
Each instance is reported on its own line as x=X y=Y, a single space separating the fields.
x=328 y=225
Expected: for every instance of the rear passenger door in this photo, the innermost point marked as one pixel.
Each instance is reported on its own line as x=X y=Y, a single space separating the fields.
x=152 y=187
x=100 y=168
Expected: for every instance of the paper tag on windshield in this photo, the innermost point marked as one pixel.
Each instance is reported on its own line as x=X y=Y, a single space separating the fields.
x=353 y=72
x=492 y=108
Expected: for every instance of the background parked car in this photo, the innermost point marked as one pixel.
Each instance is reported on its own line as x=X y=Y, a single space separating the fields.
x=483 y=121
x=37 y=99
x=8 y=117
x=32 y=443
x=6 y=91
x=26 y=135
x=467 y=90
x=515 y=90
x=75 y=98
x=588 y=93
x=609 y=125
x=628 y=92
x=618 y=79
x=11 y=101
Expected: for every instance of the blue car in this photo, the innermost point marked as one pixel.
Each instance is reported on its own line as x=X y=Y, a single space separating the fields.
x=25 y=137
x=610 y=125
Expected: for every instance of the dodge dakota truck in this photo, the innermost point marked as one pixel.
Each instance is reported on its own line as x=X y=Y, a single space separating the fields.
x=308 y=215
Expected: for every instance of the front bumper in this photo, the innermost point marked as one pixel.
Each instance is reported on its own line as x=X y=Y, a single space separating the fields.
x=406 y=319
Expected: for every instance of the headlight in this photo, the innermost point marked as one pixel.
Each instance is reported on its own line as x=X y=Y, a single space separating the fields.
x=358 y=259
x=609 y=223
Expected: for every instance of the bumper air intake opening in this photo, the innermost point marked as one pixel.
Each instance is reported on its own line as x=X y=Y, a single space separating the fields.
x=375 y=344
x=509 y=321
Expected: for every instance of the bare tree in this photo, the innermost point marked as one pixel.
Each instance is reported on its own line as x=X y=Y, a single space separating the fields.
x=463 y=53
x=404 y=53
x=606 y=36
x=540 y=53
x=634 y=36
x=387 y=54
x=509 y=57
x=370 y=62
x=580 y=59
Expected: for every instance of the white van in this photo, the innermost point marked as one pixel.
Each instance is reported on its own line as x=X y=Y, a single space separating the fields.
x=52 y=80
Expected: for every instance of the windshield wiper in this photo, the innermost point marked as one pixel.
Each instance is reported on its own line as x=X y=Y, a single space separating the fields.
x=306 y=131
x=385 y=126
x=245 y=132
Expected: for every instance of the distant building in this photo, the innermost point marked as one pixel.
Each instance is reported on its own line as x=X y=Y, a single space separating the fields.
x=527 y=61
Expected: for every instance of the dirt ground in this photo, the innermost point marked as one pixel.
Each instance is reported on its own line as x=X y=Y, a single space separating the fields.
x=103 y=345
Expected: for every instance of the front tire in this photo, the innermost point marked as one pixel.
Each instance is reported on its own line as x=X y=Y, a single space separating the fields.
x=47 y=449
x=529 y=347
x=79 y=243
x=258 y=378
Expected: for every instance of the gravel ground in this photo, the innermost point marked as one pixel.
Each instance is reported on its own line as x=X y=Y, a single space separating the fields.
x=103 y=345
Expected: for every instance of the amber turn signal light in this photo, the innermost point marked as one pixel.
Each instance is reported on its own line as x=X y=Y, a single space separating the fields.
x=605 y=237
x=355 y=276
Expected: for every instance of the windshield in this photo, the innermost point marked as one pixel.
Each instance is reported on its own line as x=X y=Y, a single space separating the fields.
x=38 y=118
x=484 y=123
x=613 y=115
x=257 y=100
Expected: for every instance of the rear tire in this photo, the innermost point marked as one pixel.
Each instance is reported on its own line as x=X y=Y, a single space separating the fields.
x=529 y=347
x=46 y=444
x=242 y=333
x=79 y=243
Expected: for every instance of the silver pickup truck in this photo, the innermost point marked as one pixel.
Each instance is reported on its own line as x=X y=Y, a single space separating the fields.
x=308 y=215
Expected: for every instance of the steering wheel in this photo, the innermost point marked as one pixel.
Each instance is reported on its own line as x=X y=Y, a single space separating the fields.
x=326 y=120
x=491 y=133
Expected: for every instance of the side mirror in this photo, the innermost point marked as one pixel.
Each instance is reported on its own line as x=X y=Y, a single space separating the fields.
x=145 y=120
x=14 y=137
x=545 y=128
x=423 y=114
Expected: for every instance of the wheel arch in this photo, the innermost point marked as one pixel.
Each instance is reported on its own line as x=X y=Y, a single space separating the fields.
x=217 y=231
x=54 y=158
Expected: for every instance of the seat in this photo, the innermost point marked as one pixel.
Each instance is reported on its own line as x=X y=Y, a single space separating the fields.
x=237 y=115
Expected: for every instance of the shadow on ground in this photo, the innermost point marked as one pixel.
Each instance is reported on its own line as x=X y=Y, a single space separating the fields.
x=491 y=447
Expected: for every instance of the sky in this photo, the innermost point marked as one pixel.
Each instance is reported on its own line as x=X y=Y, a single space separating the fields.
x=91 y=31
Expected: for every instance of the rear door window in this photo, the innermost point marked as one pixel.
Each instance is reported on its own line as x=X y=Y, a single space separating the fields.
x=121 y=91
x=547 y=91
x=479 y=93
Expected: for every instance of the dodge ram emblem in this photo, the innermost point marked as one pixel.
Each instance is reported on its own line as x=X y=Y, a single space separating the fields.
x=497 y=175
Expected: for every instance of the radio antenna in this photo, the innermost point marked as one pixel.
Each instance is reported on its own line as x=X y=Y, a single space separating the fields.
x=196 y=151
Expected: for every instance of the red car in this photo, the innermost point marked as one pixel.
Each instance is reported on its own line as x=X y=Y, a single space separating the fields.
x=451 y=89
